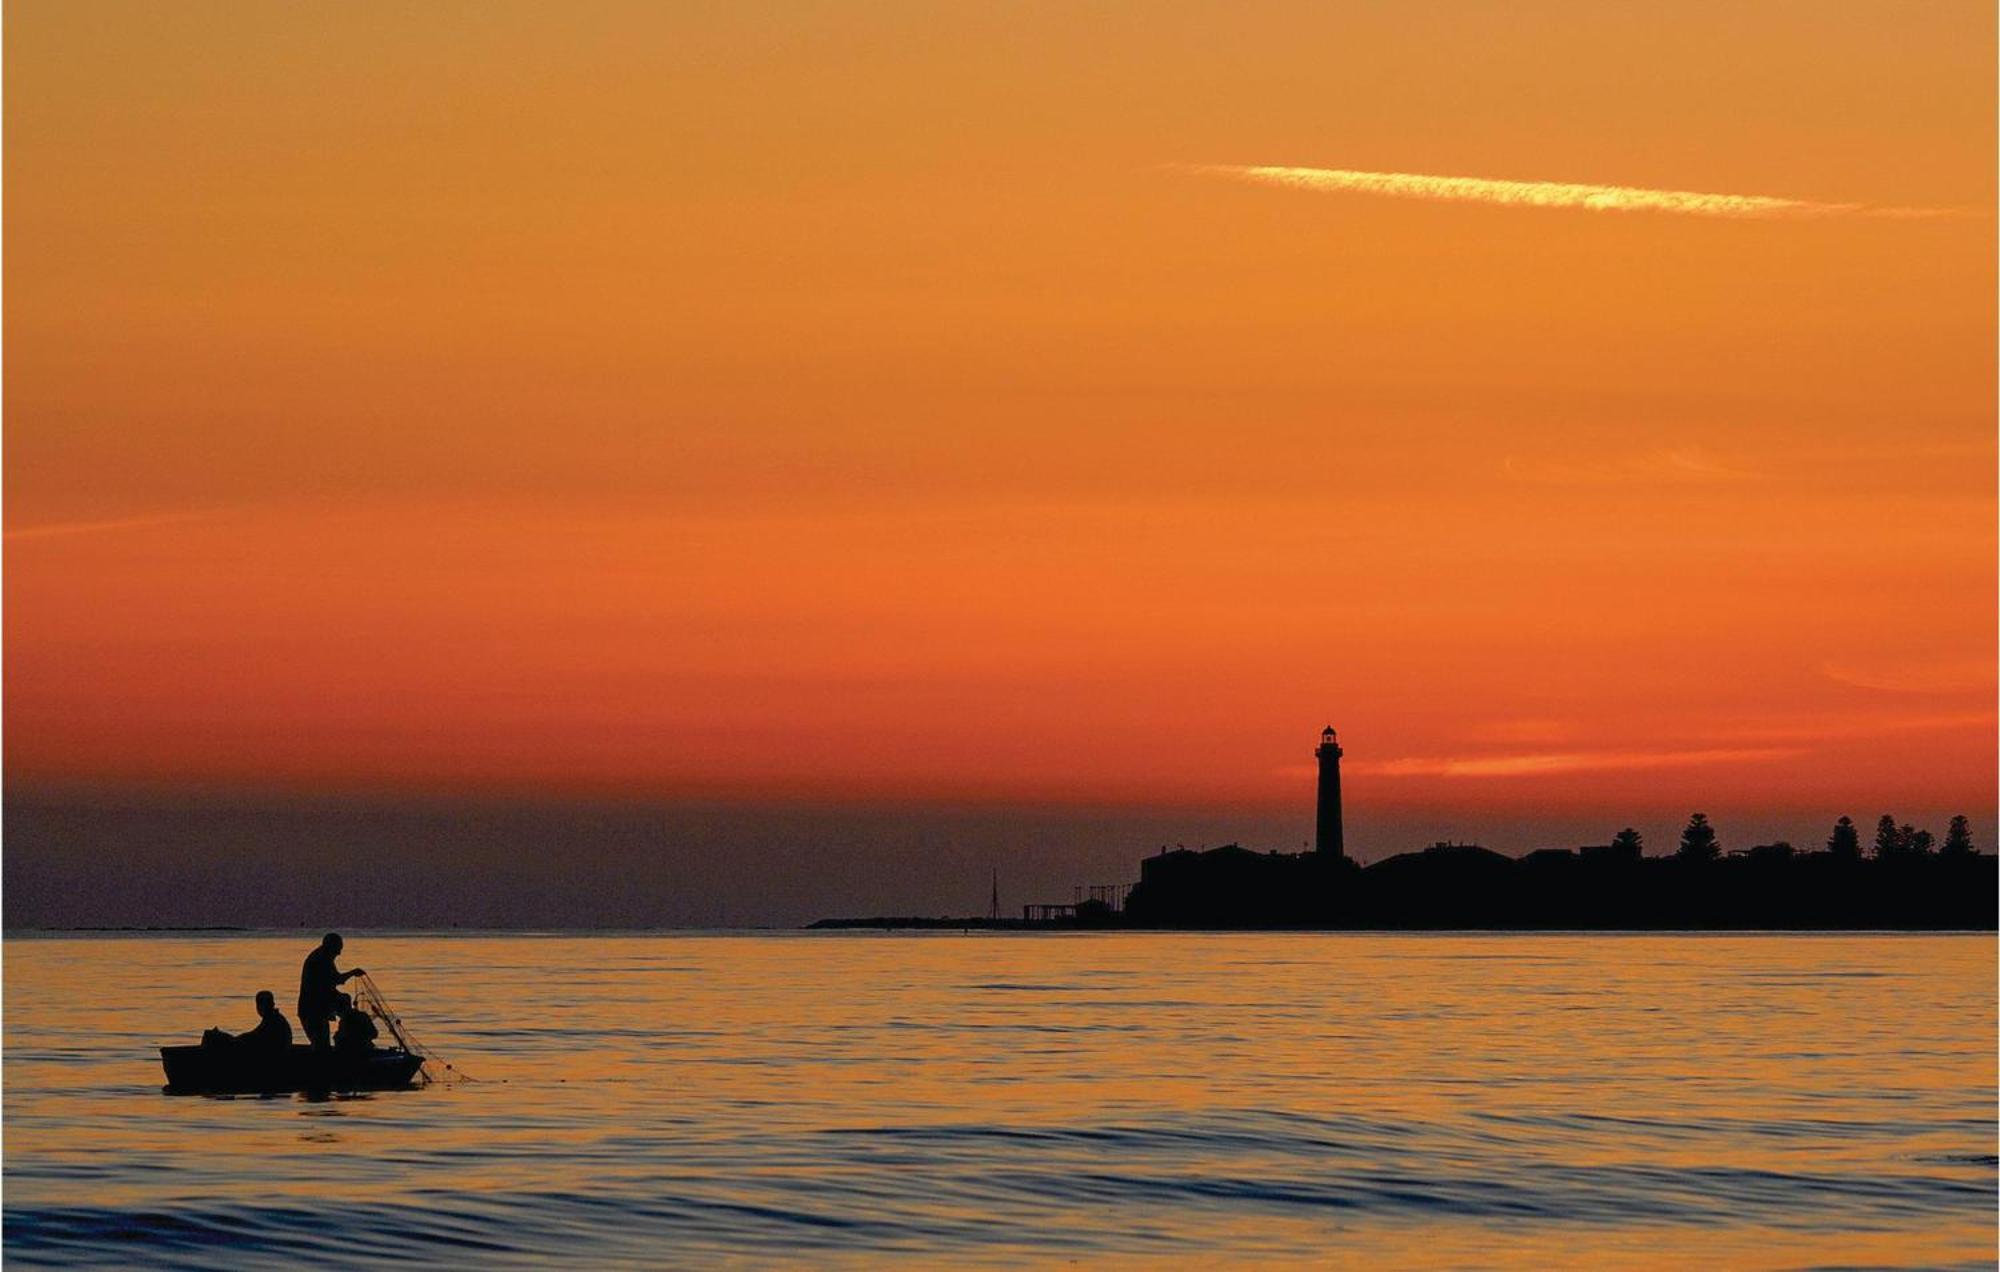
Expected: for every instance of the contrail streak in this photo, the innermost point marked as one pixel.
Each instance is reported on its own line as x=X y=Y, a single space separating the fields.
x=1549 y=194
x=61 y=528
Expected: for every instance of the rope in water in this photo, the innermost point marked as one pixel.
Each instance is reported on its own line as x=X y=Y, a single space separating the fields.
x=371 y=997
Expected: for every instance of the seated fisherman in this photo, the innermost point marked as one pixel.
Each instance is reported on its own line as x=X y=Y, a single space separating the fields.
x=357 y=1032
x=273 y=1031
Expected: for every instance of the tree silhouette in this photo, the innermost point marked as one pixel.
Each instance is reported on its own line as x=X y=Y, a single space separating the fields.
x=1630 y=844
x=1958 y=839
x=1845 y=841
x=1906 y=840
x=1698 y=841
x=1917 y=843
x=1888 y=841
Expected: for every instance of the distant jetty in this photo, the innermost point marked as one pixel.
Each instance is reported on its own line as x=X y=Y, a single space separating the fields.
x=886 y=922
x=1458 y=886
x=1905 y=885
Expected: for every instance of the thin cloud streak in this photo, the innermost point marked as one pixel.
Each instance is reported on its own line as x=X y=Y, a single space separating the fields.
x=1546 y=763
x=1863 y=726
x=1549 y=194
x=59 y=529
x=1686 y=466
x=1959 y=675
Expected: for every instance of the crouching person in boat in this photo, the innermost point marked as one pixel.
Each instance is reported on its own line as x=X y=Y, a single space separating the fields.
x=357 y=1032
x=319 y=990
x=272 y=1034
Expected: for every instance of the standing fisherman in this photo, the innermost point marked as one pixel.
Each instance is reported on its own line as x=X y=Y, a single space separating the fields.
x=319 y=992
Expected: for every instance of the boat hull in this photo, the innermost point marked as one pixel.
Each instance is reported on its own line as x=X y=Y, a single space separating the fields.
x=224 y=1070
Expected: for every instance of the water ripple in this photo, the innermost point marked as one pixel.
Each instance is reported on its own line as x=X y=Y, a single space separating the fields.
x=1490 y=1100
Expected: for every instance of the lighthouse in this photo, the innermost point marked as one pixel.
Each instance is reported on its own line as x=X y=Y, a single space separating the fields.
x=1328 y=841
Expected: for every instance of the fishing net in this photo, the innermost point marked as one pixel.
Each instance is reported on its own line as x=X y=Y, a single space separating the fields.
x=369 y=998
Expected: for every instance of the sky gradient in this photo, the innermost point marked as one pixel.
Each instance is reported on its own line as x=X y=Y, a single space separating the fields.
x=898 y=405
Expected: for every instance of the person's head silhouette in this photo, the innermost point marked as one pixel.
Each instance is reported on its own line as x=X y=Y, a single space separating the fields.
x=267 y=1002
x=331 y=942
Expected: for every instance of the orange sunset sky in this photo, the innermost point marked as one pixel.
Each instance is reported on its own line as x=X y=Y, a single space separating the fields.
x=917 y=403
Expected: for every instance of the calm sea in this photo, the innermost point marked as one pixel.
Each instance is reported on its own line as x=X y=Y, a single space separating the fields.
x=972 y=1098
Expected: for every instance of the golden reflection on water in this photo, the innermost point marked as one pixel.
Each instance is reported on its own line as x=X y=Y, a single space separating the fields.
x=1280 y=1098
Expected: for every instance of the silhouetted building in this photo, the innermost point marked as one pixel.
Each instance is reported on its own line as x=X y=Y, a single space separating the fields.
x=1232 y=886
x=1329 y=839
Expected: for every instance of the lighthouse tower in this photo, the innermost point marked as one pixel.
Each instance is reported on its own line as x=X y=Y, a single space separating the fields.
x=1328 y=841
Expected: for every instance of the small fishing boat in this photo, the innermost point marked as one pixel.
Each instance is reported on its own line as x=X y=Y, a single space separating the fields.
x=229 y=1066
x=211 y=1070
